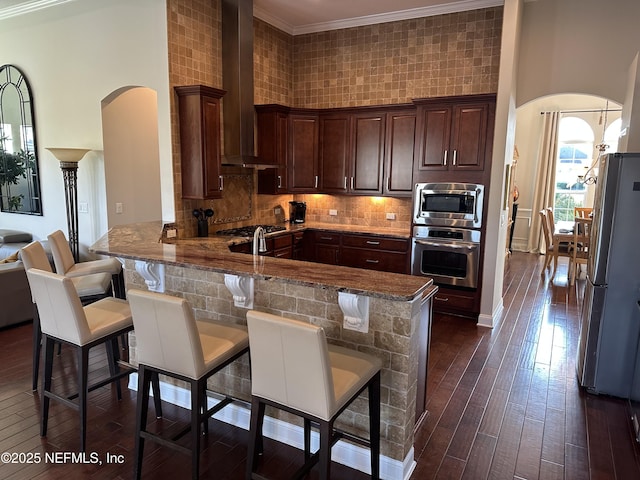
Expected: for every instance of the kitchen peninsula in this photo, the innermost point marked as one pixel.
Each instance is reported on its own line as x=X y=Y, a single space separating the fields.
x=391 y=313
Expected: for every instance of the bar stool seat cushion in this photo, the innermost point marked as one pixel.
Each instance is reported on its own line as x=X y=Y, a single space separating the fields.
x=221 y=341
x=106 y=316
x=351 y=371
x=109 y=265
x=90 y=285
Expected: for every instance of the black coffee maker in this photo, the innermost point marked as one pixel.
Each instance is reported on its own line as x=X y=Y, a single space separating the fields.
x=297 y=211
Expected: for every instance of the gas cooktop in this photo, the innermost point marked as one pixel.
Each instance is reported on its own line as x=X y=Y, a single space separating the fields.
x=249 y=230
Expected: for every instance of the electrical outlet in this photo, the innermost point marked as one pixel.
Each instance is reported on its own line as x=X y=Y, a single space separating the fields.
x=119 y=207
x=83 y=207
x=391 y=216
x=333 y=212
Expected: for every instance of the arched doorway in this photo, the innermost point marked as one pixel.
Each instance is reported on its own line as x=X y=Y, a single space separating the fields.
x=596 y=114
x=131 y=155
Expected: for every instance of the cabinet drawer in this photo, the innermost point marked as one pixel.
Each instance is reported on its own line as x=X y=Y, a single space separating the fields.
x=395 y=262
x=282 y=241
x=376 y=243
x=327 y=238
x=457 y=302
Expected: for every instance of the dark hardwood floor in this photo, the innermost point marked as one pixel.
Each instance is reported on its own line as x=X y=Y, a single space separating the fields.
x=503 y=403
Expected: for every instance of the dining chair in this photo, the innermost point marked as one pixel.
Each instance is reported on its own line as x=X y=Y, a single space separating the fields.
x=63 y=319
x=580 y=246
x=89 y=288
x=554 y=249
x=582 y=212
x=67 y=266
x=170 y=341
x=295 y=370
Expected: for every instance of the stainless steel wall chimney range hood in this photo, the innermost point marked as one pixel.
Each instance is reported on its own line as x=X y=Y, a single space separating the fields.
x=237 y=76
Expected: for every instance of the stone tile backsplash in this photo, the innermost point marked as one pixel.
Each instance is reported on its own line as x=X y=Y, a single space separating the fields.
x=388 y=63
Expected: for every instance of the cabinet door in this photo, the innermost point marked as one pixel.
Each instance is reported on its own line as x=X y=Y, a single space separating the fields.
x=273 y=139
x=434 y=133
x=469 y=136
x=303 y=153
x=368 y=153
x=199 y=119
x=334 y=153
x=401 y=129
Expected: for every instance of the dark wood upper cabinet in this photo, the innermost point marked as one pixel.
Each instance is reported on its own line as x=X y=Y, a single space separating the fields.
x=352 y=152
x=453 y=134
x=398 y=158
x=272 y=122
x=303 y=170
x=368 y=153
x=335 y=152
x=199 y=120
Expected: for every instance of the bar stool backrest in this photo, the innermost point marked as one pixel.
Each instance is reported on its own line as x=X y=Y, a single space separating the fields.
x=34 y=256
x=60 y=309
x=290 y=364
x=167 y=336
x=62 y=256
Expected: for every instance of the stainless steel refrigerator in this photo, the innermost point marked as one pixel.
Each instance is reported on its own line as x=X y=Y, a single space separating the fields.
x=610 y=320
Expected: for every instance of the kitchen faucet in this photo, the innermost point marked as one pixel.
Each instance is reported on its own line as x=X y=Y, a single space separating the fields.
x=259 y=243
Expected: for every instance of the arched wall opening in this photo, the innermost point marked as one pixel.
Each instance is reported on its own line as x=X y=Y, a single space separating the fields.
x=599 y=113
x=131 y=155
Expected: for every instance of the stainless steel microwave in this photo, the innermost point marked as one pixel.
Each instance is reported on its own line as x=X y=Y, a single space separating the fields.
x=448 y=204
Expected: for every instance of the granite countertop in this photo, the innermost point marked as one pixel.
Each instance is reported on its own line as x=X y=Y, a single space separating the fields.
x=141 y=241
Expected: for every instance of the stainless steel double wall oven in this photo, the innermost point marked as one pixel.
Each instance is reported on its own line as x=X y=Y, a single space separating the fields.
x=447 y=218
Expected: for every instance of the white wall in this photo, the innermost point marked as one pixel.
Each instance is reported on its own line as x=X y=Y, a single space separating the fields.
x=74 y=55
x=577 y=46
x=130 y=136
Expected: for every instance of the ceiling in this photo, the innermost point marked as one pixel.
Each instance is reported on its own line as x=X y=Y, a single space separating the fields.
x=305 y=16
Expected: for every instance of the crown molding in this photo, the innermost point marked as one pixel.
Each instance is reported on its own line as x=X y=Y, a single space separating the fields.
x=28 y=7
x=454 y=7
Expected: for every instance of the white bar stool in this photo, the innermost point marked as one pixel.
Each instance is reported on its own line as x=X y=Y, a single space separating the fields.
x=66 y=265
x=294 y=369
x=171 y=342
x=64 y=319
x=90 y=288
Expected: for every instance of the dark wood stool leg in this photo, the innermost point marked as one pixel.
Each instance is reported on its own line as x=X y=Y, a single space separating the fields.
x=326 y=429
x=203 y=408
x=37 y=347
x=119 y=290
x=46 y=383
x=142 y=407
x=112 y=359
x=255 y=436
x=307 y=440
x=83 y=392
x=195 y=429
x=374 y=425
x=157 y=401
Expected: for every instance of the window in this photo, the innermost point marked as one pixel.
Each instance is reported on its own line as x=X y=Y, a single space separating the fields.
x=575 y=155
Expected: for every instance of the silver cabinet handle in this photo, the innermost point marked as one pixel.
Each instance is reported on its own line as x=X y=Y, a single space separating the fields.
x=279 y=181
x=446 y=153
x=316 y=182
x=352 y=182
x=442 y=299
x=221 y=182
x=371 y=242
x=326 y=238
x=345 y=183
x=372 y=261
x=455 y=155
x=389 y=184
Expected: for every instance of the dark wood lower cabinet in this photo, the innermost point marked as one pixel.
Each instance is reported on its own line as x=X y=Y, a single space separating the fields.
x=457 y=301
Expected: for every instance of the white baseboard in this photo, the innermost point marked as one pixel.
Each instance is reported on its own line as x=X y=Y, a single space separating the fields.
x=490 y=321
x=345 y=453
